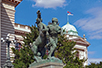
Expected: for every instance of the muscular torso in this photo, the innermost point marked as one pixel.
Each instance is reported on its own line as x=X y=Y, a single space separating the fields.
x=54 y=30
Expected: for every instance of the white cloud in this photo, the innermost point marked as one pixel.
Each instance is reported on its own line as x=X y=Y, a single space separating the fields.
x=94 y=60
x=92 y=24
x=49 y=3
x=91 y=52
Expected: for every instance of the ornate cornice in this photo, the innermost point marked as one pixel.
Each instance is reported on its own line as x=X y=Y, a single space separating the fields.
x=12 y=2
x=18 y=32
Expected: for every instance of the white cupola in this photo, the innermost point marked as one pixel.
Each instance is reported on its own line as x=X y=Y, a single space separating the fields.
x=70 y=29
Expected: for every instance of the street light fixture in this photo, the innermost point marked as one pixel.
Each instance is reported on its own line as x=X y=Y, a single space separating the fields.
x=8 y=63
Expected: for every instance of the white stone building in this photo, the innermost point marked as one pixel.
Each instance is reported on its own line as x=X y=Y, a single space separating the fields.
x=81 y=43
x=8 y=26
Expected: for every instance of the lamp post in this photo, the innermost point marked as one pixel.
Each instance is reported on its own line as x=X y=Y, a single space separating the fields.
x=8 y=63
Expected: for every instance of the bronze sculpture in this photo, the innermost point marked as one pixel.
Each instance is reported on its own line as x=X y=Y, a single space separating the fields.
x=48 y=36
x=38 y=46
x=53 y=30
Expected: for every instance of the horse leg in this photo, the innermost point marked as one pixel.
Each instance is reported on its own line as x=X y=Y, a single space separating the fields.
x=34 y=48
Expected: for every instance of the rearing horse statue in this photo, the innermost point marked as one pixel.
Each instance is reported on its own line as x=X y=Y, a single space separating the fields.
x=38 y=46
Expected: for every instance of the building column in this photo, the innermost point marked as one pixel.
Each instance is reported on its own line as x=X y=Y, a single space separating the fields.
x=86 y=56
x=0 y=33
x=7 y=14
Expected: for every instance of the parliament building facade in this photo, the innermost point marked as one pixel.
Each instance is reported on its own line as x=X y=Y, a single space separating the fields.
x=8 y=26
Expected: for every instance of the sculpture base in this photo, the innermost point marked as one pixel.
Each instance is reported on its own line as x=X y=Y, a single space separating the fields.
x=49 y=63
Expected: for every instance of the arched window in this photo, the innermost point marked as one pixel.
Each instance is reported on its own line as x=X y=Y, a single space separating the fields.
x=18 y=46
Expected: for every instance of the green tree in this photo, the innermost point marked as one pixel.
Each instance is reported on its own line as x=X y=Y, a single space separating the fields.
x=66 y=52
x=24 y=57
x=95 y=65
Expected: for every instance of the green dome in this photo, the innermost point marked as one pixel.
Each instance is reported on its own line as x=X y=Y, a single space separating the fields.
x=70 y=29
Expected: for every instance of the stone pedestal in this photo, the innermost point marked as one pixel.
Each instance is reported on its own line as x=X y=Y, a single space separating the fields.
x=49 y=63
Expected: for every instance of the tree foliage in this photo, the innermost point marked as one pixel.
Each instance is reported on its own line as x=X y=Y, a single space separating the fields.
x=67 y=53
x=24 y=57
x=95 y=65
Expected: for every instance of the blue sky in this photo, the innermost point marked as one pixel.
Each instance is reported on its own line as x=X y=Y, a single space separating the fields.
x=87 y=18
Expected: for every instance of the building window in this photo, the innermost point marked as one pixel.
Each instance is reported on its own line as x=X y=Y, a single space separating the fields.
x=18 y=46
